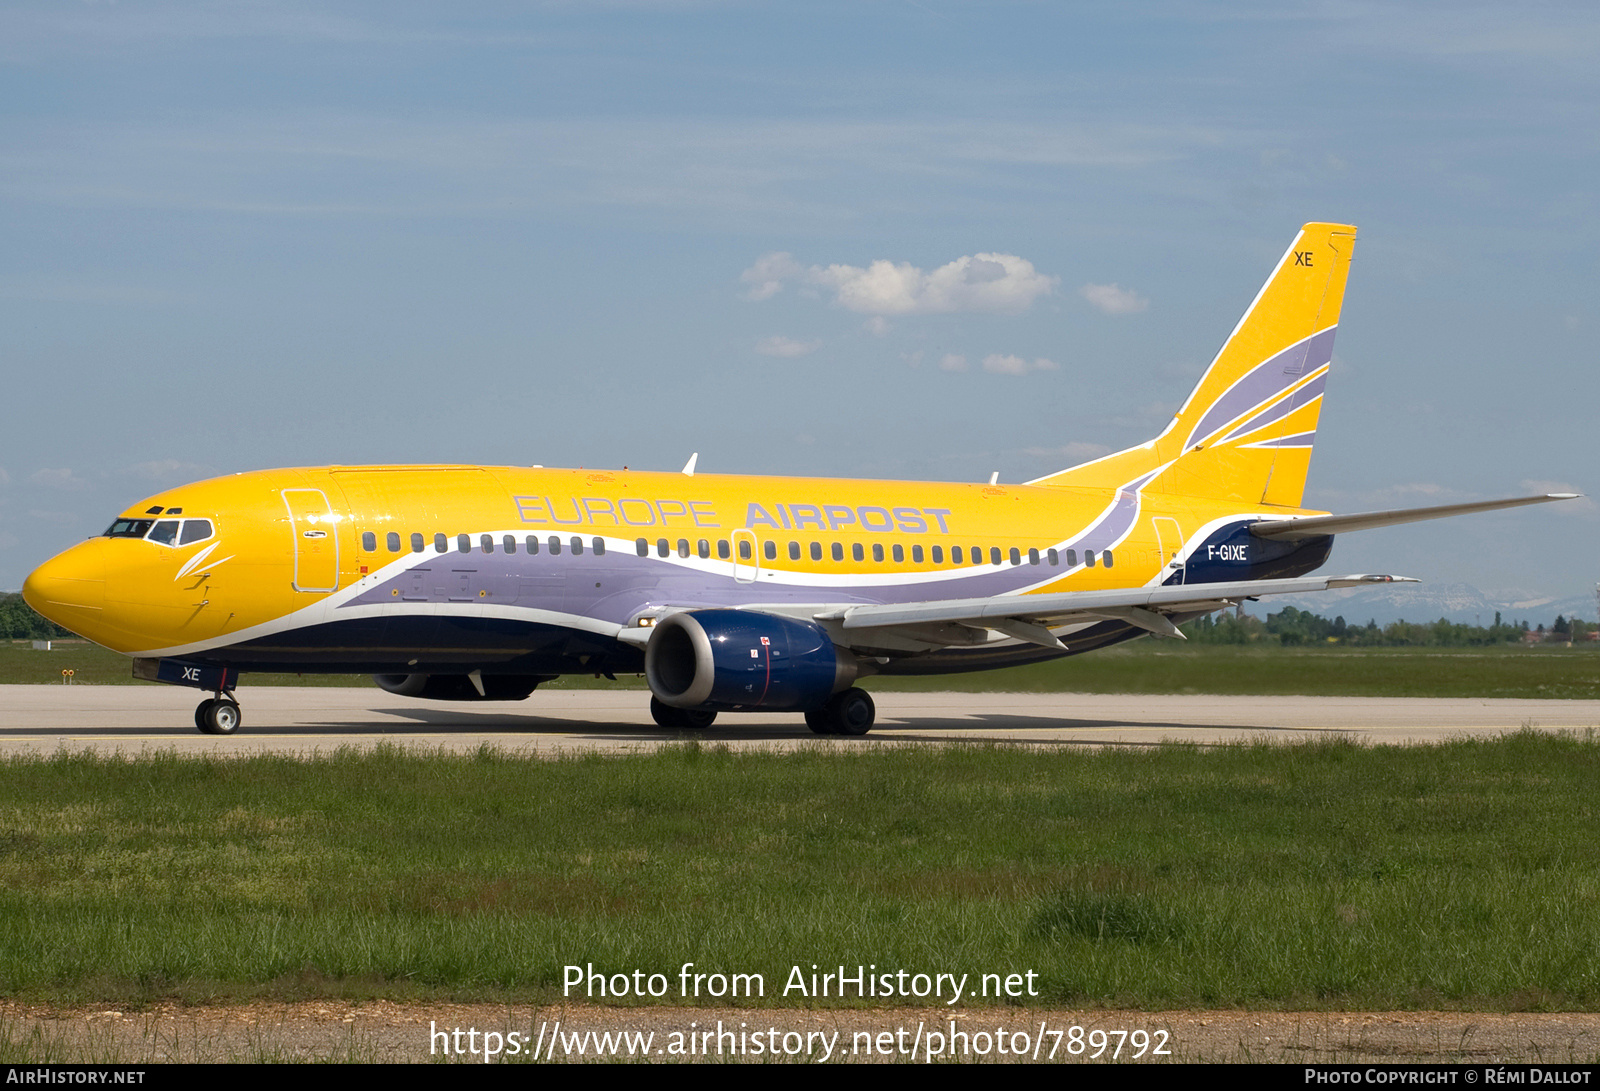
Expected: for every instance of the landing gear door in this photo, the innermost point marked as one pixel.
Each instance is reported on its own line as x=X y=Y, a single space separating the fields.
x=1169 y=542
x=316 y=541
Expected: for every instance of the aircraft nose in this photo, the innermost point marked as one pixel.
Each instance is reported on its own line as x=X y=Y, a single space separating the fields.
x=70 y=589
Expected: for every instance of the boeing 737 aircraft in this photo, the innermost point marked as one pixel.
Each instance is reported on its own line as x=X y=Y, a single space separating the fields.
x=734 y=594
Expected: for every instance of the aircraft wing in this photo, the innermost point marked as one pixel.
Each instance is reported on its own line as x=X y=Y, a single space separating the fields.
x=1029 y=617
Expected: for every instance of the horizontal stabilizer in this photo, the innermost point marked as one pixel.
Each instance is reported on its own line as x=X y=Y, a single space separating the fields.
x=1315 y=526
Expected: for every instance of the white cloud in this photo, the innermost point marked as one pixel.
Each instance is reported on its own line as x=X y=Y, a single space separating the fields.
x=998 y=283
x=878 y=325
x=1016 y=365
x=58 y=479
x=988 y=283
x=1005 y=365
x=777 y=345
x=1111 y=299
x=952 y=362
x=767 y=275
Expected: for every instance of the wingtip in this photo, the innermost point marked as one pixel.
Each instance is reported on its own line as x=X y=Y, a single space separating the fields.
x=1366 y=579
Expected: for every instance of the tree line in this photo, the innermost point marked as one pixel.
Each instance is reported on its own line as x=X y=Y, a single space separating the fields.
x=1291 y=627
x=18 y=621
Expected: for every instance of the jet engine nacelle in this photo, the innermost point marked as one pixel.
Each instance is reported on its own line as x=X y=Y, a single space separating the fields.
x=739 y=659
x=459 y=687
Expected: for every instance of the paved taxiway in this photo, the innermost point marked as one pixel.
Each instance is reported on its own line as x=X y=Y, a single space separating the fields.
x=35 y=719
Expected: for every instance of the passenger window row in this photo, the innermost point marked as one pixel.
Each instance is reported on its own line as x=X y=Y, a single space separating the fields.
x=702 y=548
x=485 y=543
x=724 y=549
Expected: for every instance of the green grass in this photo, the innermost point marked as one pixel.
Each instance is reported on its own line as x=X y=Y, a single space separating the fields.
x=1150 y=666
x=1142 y=666
x=1329 y=875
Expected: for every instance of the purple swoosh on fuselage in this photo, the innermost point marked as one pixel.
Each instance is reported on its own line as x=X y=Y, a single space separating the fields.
x=617 y=585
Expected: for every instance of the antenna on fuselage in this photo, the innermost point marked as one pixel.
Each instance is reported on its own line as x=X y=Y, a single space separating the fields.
x=688 y=467
x=994 y=478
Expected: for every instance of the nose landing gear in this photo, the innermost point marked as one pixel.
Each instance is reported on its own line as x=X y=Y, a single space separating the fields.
x=217 y=715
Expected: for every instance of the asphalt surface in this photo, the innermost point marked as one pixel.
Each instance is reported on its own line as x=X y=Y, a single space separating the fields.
x=42 y=719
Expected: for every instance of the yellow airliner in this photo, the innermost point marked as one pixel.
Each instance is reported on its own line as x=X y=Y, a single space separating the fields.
x=733 y=593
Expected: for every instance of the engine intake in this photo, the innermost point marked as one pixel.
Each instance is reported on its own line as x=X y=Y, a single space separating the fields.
x=739 y=659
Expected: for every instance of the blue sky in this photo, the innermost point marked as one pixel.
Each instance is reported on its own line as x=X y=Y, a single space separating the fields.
x=249 y=235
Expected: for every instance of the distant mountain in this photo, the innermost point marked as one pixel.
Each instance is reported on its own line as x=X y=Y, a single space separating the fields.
x=1458 y=602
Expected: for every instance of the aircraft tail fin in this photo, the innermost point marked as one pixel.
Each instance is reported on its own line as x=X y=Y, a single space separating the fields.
x=1245 y=433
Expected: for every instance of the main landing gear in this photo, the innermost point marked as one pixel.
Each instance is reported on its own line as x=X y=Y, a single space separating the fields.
x=217 y=715
x=680 y=719
x=847 y=713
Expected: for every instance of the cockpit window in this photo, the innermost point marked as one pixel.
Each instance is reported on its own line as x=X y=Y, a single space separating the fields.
x=195 y=530
x=167 y=532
